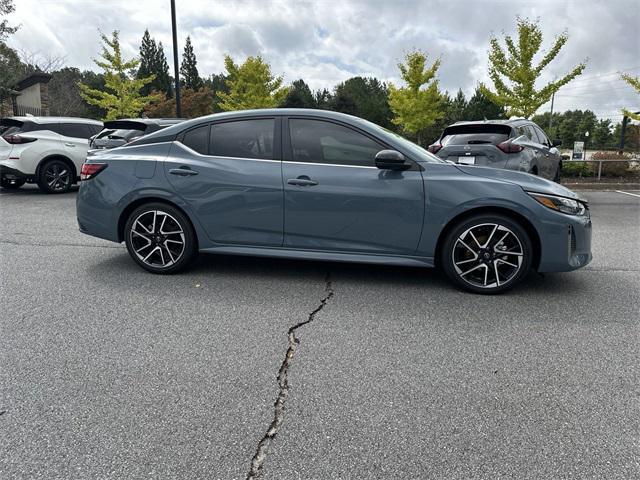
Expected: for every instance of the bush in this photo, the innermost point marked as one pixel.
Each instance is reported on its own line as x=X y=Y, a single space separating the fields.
x=576 y=169
x=609 y=168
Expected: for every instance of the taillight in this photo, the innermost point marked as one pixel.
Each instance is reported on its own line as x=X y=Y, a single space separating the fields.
x=510 y=147
x=90 y=170
x=17 y=139
x=434 y=147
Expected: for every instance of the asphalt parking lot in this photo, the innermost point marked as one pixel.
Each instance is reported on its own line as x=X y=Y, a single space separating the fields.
x=110 y=372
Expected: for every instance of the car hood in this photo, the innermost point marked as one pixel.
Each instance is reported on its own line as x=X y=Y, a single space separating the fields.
x=528 y=182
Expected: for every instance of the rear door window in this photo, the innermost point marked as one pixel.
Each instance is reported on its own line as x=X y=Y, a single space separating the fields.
x=74 y=130
x=487 y=134
x=243 y=139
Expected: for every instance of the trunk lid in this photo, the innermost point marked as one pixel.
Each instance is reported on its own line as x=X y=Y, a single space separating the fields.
x=475 y=144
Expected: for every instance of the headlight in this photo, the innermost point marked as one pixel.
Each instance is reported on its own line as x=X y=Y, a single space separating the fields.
x=560 y=204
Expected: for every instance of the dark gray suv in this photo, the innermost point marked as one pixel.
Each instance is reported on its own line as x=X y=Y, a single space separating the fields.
x=516 y=144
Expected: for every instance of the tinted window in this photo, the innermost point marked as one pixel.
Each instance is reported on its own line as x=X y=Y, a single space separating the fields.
x=76 y=130
x=541 y=136
x=94 y=128
x=197 y=139
x=325 y=142
x=475 y=134
x=243 y=139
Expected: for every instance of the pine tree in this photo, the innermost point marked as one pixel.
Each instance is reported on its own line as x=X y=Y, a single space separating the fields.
x=154 y=62
x=121 y=96
x=251 y=85
x=148 y=54
x=163 y=81
x=189 y=69
x=480 y=107
x=299 y=96
x=458 y=107
x=417 y=105
x=514 y=75
x=635 y=83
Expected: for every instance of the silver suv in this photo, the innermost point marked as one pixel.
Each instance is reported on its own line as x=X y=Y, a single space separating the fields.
x=516 y=144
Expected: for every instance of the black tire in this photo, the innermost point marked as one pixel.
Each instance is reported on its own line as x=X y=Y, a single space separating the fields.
x=55 y=176
x=468 y=272
x=11 y=184
x=163 y=254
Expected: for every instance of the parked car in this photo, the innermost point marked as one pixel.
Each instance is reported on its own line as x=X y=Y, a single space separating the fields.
x=323 y=185
x=516 y=144
x=48 y=151
x=120 y=132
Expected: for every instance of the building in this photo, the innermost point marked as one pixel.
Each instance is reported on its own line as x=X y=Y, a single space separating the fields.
x=30 y=96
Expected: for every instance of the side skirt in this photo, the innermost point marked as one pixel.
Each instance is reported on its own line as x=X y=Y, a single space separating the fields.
x=399 y=260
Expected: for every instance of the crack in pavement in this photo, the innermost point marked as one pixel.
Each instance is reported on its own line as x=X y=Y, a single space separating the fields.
x=257 y=462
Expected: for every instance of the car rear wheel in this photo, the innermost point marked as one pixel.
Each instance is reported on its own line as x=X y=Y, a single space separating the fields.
x=56 y=176
x=487 y=254
x=11 y=184
x=160 y=238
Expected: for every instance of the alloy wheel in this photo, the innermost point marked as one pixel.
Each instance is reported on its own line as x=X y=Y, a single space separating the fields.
x=487 y=255
x=57 y=176
x=157 y=239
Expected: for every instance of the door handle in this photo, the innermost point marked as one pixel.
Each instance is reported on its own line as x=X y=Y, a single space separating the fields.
x=302 y=181
x=182 y=171
x=70 y=144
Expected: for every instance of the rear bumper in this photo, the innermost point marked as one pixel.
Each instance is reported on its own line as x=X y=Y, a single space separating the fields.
x=13 y=173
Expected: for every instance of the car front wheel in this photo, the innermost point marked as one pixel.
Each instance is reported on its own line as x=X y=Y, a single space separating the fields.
x=487 y=254
x=160 y=238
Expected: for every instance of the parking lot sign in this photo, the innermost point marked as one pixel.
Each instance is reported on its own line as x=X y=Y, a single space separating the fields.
x=578 y=151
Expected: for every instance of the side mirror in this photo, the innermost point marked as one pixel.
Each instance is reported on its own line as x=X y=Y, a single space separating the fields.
x=391 y=160
x=556 y=143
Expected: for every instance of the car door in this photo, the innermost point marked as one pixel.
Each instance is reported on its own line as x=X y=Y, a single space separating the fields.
x=229 y=172
x=75 y=139
x=335 y=199
x=551 y=153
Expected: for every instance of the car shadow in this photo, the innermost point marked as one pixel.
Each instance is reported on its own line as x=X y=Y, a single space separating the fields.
x=112 y=270
x=33 y=190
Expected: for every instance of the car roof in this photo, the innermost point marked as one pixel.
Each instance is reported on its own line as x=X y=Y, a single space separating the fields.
x=149 y=121
x=45 y=120
x=264 y=112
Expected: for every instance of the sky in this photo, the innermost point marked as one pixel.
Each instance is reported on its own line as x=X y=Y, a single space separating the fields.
x=327 y=41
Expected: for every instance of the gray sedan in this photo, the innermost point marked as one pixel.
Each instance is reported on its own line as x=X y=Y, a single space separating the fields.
x=322 y=185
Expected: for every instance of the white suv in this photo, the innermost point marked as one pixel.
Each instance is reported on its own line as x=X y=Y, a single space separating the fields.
x=48 y=151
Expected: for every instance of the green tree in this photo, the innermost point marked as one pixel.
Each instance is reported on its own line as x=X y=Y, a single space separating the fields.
x=458 y=107
x=123 y=98
x=480 y=107
x=299 y=96
x=514 y=75
x=189 y=68
x=10 y=65
x=367 y=98
x=6 y=7
x=322 y=98
x=251 y=85
x=635 y=83
x=217 y=83
x=414 y=107
x=153 y=61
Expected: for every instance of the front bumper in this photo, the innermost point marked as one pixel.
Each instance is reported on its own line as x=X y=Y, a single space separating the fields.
x=566 y=244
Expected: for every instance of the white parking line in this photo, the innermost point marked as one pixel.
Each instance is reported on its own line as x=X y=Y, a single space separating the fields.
x=627 y=193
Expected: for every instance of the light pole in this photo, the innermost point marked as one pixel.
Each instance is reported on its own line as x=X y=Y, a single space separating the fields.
x=176 y=70
x=586 y=137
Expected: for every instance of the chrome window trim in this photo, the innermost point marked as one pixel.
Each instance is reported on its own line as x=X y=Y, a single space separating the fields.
x=329 y=164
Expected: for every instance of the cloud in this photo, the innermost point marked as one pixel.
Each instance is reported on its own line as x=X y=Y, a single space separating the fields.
x=326 y=41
